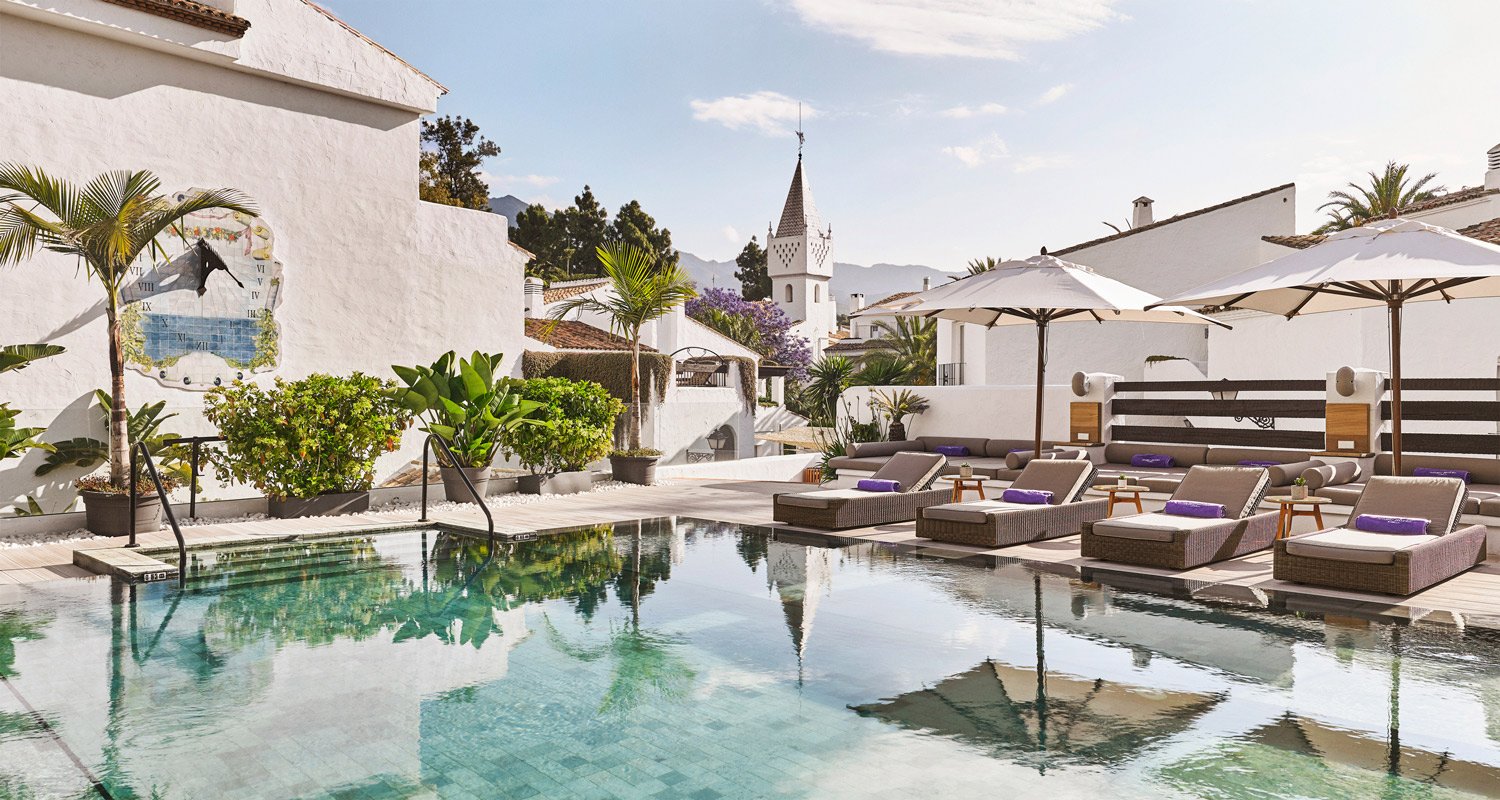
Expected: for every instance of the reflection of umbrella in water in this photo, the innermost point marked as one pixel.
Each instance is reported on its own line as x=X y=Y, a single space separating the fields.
x=1012 y=710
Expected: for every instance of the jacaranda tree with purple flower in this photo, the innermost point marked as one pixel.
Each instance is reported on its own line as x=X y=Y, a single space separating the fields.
x=757 y=324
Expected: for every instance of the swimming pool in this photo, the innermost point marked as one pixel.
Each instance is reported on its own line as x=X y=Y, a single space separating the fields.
x=684 y=658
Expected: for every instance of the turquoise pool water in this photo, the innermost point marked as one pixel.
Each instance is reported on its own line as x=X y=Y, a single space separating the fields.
x=681 y=658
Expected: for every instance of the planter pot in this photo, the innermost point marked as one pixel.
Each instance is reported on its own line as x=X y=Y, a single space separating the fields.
x=324 y=505
x=966 y=471
x=454 y=488
x=561 y=483
x=1299 y=492
x=639 y=470
x=896 y=432
x=109 y=514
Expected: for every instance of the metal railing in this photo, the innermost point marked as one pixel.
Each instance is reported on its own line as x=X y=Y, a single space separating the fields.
x=139 y=453
x=426 y=449
x=951 y=374
x=197 y=443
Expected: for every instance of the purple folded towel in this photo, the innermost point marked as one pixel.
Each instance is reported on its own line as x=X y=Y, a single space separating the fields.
x=1436 y=472
x=1152 y=460
x=1193 y=508
x=1376 y=523
x=1260 y=463
x=951 y=450
x=878 y=485
x=1031 y=497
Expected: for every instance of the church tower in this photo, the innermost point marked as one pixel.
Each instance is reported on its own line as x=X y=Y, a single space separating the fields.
x=799 y=258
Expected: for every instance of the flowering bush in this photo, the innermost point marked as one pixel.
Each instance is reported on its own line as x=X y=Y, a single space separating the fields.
x=578 y=425
x=318 y=435
x=758 y=324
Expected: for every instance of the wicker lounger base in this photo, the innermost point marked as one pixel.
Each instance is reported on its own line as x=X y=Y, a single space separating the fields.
x=1188 y=548
x=1015 y=527
x=1412 y=572
x=861 y=512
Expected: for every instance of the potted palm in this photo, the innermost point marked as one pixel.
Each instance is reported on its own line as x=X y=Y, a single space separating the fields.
x=108 y=224
x=641 y=289
x=897 y=405
x=470 y=409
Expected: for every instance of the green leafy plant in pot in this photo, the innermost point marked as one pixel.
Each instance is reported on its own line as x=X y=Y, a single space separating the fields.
x=897 y=405
x=462 y=401
x=580 y=417
x=641 y=289
x=310 y=445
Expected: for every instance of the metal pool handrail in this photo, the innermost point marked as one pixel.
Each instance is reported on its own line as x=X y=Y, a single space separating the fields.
x=427 y=448
x=196 y=442
x=139 y=451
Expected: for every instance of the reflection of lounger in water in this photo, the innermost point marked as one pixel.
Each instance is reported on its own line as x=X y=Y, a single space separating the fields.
x=208 y=262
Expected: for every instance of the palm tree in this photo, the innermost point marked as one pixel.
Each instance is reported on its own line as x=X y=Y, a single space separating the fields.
x=879 y=369
x=108 y=223
x=982 y=265
x=642 y=289
x=911 y=341
x=1386 y=196
x=828 y=377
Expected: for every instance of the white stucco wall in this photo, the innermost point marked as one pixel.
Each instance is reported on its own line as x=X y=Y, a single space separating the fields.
x=992 y=412
x=372 y=275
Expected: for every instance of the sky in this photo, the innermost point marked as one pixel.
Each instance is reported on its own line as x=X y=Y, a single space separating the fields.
x=943 y=130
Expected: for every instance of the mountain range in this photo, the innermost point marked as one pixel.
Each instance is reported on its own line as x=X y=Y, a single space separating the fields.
x=876 y=281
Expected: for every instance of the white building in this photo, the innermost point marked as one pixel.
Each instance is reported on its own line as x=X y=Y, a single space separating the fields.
x=799 y=258
x=318 y=124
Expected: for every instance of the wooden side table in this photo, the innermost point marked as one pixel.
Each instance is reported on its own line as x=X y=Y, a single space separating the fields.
x=1290 y=512
x=961 y=485
x=1129 y=494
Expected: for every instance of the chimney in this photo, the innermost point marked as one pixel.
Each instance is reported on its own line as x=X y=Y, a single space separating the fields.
x=1140 y=212
x=532 y=294
x=926 y=284
x=1492 y=175
x=856 y=302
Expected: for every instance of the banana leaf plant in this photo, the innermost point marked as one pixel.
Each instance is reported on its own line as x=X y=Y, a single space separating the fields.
x=144 y=425
x=15 y=440
x=467 y=403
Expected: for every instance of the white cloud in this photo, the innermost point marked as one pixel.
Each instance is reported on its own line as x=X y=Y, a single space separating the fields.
x=1055 y=93
x=989 y=149
x=771 y=113
x=969 y=28
x=534 y=181
x=1033 y=163
x=731 y=234
x=965 y=112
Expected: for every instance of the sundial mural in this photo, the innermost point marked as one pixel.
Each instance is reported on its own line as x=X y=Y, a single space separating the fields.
x=205 y=315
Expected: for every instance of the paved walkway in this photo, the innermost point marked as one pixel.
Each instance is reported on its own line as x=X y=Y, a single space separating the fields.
x=1472 y=599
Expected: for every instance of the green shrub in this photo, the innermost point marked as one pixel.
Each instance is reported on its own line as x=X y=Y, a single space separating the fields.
x=318 y=435
x=582 y=425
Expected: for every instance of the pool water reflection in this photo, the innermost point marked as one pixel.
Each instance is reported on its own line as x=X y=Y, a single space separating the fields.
x=683 y=658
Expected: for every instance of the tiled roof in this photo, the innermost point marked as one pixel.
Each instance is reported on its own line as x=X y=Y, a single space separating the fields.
x=858 y=346
x=1463 y=195
x=377 y=45
x=893 y=298
x=571 y=290
x=1488 y=231
x=571 y=334
x=799 y=214
x=199 y=15
x=1170 y=220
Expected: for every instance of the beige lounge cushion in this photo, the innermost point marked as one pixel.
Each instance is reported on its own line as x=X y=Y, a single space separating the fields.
x=881 y=449
x=1067 y=480
x=1437 y=500
x=1232 y=456
x=1345 y=495
x=976 y=511
x=823 y=498
x=914 y=471
x=983 y=467
x=1481 y=470
x=1362 y=547
x=1331 y=475
x=1238 y=489
x=1152 y=526
x=976 y=445
x=1185 y=455
x=1286 y=474
x=1000 y=448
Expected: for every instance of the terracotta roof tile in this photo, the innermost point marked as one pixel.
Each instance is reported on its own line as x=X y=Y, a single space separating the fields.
x=893 y=298
x=1488 y=231
x=1463 y=195
x=574 y=335
x=572 y=290
x=1298 y=241
x=858 y=346
x=1170 y=220
x=199 y=15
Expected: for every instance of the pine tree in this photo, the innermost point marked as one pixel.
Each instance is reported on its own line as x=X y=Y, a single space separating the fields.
x=452 y=153
x=753 y=275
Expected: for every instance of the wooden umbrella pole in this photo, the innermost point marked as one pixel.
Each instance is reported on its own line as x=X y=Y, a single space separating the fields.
x=1394 y=307
x=1041 y=377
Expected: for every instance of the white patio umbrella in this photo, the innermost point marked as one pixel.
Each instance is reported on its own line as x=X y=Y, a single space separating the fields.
x=1040 y=291
x=1387 y=263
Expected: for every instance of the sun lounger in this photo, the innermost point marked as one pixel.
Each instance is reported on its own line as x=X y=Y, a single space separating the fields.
x=1389 y=563
x=836 y=509
x=996 y=523
x=1169 y=541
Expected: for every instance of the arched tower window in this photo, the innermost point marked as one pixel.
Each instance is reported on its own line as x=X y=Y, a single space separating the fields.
x=789 y=293
x=817 y=293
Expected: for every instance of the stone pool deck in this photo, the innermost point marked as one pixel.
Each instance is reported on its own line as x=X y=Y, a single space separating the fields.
x=1469 y=600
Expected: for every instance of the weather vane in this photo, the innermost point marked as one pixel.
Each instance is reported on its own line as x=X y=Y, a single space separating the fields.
x=801 y=137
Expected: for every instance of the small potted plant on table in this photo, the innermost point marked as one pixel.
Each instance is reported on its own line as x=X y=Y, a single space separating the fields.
x=579 y=419
x=311 y=444
x=1299 y=489
x=470 y=409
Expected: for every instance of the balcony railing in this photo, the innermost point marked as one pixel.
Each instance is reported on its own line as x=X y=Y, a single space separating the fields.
x=951 y=374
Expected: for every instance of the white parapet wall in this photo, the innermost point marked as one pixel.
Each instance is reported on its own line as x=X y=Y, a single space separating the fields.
x=991 y=412
x=767 y=468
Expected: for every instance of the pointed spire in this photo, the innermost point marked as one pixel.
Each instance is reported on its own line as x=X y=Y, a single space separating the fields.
x=800 y=214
